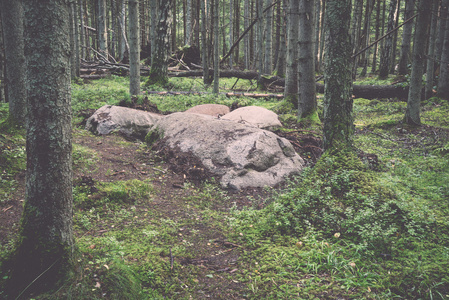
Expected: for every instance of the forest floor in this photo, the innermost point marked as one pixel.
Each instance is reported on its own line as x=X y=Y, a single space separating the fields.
x=144 y=229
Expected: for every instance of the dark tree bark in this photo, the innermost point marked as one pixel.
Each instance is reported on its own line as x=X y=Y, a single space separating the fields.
x=12 y=22
x=385 y=59
x=443 y=80
x=44 y=253
x=306 y=62
x=404 y=60
x=338 y=120
x=430 y=71
x=204 y=44
x=412 y=116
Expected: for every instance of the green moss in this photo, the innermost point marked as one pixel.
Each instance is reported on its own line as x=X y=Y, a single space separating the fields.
x=154 y=135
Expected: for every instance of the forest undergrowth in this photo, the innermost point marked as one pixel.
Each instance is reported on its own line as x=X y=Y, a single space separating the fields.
x=372 y=224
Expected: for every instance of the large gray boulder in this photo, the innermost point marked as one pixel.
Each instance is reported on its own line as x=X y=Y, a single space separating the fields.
x=209 y=109
x=242 y=156
x=254 y=116
x=130 y=122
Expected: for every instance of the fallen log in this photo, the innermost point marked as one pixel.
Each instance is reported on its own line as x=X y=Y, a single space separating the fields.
x=230 y=94
x=359 y=91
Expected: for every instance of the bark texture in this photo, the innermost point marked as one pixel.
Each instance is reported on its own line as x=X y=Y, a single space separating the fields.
x=159 y=64
x=134 y=47
x=338 y=119
x=45 y=246
x=443 y=81
x=12 y=18
x=419 y=56
x=306 y=64
x=291 y=70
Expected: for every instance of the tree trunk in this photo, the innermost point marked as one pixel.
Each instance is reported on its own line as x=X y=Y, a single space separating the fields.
x=74 y=41
x=419 y=52
x=216 y=46
x=268 y=64
x=385 y=59
x=231 y=31
x=134 y=47
x=367 y=33
x=15 y=89
x=153 y=21
x=246 y=50
x=102 y=28
x=280 y=64
x=291 y=71
x=406 y=38
x=377 y=33
x=306 y=64
x=259 y=41
x=204 y=44
x=430 y=77
x=188 y=17
x=443 y=81
x=395 y=40
x=338 y=120
x=158 y=73
x=46 y=246
x=317 y=36
x=356 y=32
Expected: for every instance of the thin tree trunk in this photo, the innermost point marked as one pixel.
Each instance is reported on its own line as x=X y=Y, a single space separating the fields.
x=385 y=60
x=377 y=32
x=412 y=115
x=443 y=80
x=216 y=47
x=153 y=22
x=430 y=78
x=395 y=40
x=188 y=17
x=404 y=60
x=291 y=71
x=317 y=36
x=134 y=47
x=231 y=31
x=268 y=64
x=204 y=44
x=306 y=63
x=246 y=51
x=45 y=250
x=12 y=21
x=102 y=28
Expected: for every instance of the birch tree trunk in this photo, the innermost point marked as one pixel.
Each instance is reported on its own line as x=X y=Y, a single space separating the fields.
x=15 y=89
x=412 y=115
x=306 y=63
x=158 y=73
x=338 y=119
x=45 y=250
x=291 y=71
x=134 y=47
